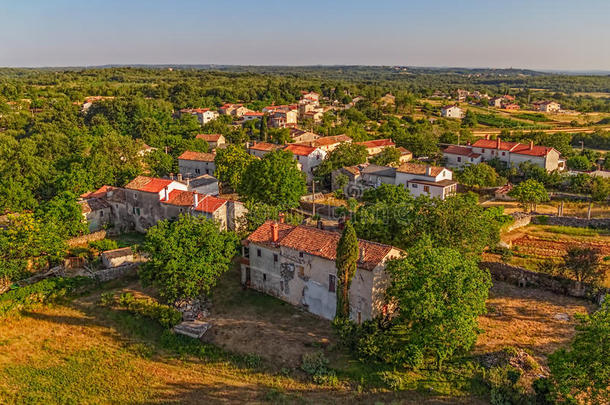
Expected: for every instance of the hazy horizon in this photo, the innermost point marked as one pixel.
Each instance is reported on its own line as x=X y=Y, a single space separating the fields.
x=543 y=35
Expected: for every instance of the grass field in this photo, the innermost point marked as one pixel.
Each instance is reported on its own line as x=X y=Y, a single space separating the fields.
x=81 y=352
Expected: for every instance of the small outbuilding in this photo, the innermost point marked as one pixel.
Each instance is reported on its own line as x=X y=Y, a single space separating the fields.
x=117 y=257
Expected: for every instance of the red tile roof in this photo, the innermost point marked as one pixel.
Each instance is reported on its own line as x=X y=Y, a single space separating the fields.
x=513 y=147
x=197 y=156
x=376 y=143
x=210 y=204
x=301 y=150
x=318 y=242
x=461 y=150
x=99 y=193
x=209 y=137
x=254 y=114
x=264 y=146
x=194 y=110
x=414 y=168
x=182 y=198
x=330 y=140
x=148 y=184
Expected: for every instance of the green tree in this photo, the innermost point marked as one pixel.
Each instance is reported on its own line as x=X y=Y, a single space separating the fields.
x=582 y=264
x=387 y=157
x=580 y=374
x=346 y=263
x=529 y=193
x=160 y=164
x=264 y=130
x=439 y=295
x=231 y=164
x=600 y=191
x=470 y=119
x=578 y=163
x=65 y=213
x=479 y=175
x=186 y=257
x=275 y=179
x=388 y=193
x=346 y=154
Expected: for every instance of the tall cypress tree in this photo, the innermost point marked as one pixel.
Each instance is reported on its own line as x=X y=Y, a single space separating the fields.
x=347 y=262
x=264 y=129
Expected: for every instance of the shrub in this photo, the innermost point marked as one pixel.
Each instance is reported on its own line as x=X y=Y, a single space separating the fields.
x=104 y=244
x=47 y=290
x=316 y=365
x=167 y=316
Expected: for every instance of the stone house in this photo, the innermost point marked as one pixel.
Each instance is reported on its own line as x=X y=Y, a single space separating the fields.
x=547 y=106
x=236 y=110
x=117 y=257
x=252 y=115
x=97 y=212
x=328 y=143
x=260 y=149
x=300 y=136
x=214 y=140
x=204 y=184
x=297 y=265
x=405 y=154
x=194 y=164
x=308 y=157
x=432 y=181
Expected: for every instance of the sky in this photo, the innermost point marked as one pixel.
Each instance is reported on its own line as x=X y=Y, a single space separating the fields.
x=535 y=34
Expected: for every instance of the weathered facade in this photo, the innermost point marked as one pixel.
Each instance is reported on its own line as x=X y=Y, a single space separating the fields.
x=297 y=265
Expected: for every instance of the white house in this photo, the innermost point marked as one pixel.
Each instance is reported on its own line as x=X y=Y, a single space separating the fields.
x=308 y=157
x=511 y=153
x=547 y=106
x=457 y=156
x=194 y=164
x=204 y=115
x=328 y=143
x=252 y=115
x=433 y=181
x=451 y=111
x=297 y=265
x=260 y=149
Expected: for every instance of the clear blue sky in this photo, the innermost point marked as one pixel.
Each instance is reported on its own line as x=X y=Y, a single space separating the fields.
x=544 y=34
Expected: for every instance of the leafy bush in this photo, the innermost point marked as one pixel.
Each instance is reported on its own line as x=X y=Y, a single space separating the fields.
x=316 y=365
x=167 y=316
x=46 y=290
x=104 y=244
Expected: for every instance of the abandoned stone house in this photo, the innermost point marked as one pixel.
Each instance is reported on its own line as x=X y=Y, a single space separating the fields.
x=146 y=200
x=97 y=212
x=297 y=265
x=194 y=164
x=117 y=257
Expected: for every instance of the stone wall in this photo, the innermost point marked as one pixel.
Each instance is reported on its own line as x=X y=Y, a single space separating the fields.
x=572 y=221
x=90 y=237
x=521 y=219
x=525 y=278
x=114 y=272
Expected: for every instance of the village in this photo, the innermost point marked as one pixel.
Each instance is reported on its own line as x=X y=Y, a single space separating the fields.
x=291 y=242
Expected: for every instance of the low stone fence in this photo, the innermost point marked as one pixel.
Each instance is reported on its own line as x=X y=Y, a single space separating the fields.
x=312 y=197
x=526 y=278
x=572 y=221
x=113 y=272
x=90 y=237
x=521 y=219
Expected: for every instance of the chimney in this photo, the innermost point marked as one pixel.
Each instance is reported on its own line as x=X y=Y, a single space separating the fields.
x=531 y=145
x=188 y=182
x=179 y=177
x=487 y=136
x=171 y=176
x=282 y=217
x=362 y=254
x=428 y=171
x=498 y=143
x=196 y=200
x=467 y=143
x=165 y=194
x=275 y=231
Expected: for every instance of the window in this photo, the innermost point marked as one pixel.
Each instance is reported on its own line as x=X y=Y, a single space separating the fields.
x=331 y=283
x=135 y=196
x=301 y=254
x=275 y=258
x=503 y=153
x=246 y=252
x=426 y=189
x=301 y=271
x=482 y=150
x=138 y=211
x=258 y=252
x=359 y=317
x=414 y=185
x=101 y=213
x=459 y=159
x=207 y=171
x=197 y=171
x=492 y=153
x=264 y=276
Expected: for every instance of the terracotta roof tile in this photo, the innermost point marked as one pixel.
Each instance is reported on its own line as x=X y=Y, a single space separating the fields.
x=210 y=204
x=513 y=147
x=376 y=143
x=197 y=156
x=265 y=146
x=318 y=242
x=461 y=150
x=302 y=150
x=414 y=168
x=148 y=184
x=209 y=137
